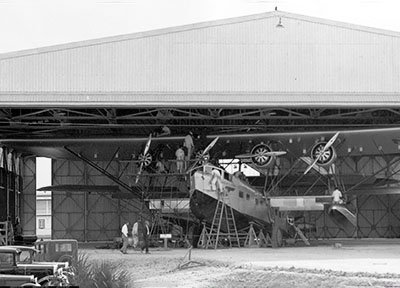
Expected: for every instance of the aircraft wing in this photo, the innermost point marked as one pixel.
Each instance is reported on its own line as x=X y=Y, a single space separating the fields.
x=114 y=190
x=81 y=188
x=349 y=142
x=297 y=144
x=128 y=148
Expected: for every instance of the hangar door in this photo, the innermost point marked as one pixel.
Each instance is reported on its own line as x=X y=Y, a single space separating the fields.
x=88 y=216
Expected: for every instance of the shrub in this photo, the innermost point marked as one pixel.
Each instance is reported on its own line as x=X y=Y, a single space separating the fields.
x=102 y=274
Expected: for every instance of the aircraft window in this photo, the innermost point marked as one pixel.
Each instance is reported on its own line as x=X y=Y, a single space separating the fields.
x=247 y=197
x=240 y=194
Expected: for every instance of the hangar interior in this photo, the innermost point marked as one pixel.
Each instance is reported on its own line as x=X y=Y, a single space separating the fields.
x=232 y=76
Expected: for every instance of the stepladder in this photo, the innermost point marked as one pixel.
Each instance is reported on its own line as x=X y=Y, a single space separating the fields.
x=223 y=231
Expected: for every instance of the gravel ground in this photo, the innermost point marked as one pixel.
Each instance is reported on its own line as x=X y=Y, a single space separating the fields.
x=350 y=264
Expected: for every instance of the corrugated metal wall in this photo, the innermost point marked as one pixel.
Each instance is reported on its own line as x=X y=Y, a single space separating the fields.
x=88 y=216
x=242 y=55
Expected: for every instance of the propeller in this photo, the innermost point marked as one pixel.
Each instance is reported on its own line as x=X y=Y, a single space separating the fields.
x=326 y=147
x=144 y=159
x=205 y=152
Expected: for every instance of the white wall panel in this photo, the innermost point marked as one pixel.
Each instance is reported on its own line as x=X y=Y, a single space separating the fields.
x=247 y=54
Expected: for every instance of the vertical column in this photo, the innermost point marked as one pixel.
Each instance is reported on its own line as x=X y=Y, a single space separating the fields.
x=28 y=196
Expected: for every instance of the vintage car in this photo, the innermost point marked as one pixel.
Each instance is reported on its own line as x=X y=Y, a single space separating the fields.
x=9 y=266
x=29 y=255
x=18 y=281
x=60 y=250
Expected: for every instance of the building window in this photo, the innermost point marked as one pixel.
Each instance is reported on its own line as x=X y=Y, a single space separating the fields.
x=247 y=197
x=240 y=194
x=42 y=223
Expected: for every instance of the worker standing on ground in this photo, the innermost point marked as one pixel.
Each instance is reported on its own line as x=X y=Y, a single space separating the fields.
x=124 y=232
x=135 y=236
x=146 y=235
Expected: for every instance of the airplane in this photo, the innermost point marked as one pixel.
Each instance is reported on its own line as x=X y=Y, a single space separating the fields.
x=303 y=154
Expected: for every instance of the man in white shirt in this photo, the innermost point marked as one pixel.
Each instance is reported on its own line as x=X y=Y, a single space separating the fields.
x=124 y=232
x=337 y=196
x=215 y=181
x=135 y=235
x=180 y=157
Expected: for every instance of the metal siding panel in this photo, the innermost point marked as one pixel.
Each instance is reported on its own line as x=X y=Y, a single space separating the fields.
x=104 y=214
x=68 y=216
x=244 y=56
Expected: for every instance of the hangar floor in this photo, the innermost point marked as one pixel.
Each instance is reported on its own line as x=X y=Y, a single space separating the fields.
x=339 y=263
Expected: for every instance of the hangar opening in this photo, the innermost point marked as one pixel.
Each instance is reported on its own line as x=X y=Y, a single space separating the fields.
x=311 y=106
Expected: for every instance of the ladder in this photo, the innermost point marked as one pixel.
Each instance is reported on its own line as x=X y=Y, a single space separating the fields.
x=223 y=217
x=6 y=233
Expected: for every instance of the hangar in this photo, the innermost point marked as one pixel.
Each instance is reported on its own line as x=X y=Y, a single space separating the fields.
x=265 y=73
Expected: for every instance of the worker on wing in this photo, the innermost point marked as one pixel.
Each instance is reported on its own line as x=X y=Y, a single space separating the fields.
x=337 y=196
x=215 y=182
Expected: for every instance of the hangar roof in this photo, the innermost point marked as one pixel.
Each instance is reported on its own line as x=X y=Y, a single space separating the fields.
x=239 y=75
x=247 y=61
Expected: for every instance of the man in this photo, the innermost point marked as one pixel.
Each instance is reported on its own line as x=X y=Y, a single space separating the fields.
x=188 y=143
x=17 y=230
x=124 y=232
x=135 y=235
x=215 y=181
x=163 y=131
x=146 y=235
x=337 y=197
x=180 y=157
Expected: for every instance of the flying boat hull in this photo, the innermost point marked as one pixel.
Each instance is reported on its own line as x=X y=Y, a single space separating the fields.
x=248 y=204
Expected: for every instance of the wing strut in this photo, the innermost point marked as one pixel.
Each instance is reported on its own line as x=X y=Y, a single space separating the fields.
x=137 y=193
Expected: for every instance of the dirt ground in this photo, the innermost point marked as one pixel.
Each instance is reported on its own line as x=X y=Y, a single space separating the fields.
x=355 y=263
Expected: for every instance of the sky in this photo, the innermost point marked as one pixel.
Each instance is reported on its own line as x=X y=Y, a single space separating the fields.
x=27 y=24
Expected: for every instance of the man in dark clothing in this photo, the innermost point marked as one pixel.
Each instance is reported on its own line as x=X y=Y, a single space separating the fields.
x=146 y=234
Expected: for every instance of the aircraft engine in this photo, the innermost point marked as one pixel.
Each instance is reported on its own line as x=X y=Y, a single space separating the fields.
x=327 y=157
x=145 y=159
x=259 y=155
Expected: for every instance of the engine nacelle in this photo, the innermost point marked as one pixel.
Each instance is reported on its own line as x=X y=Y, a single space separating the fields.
x=327 y=157
x=259 y=155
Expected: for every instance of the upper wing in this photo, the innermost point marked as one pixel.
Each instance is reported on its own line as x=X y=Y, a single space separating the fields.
x=349 y=142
